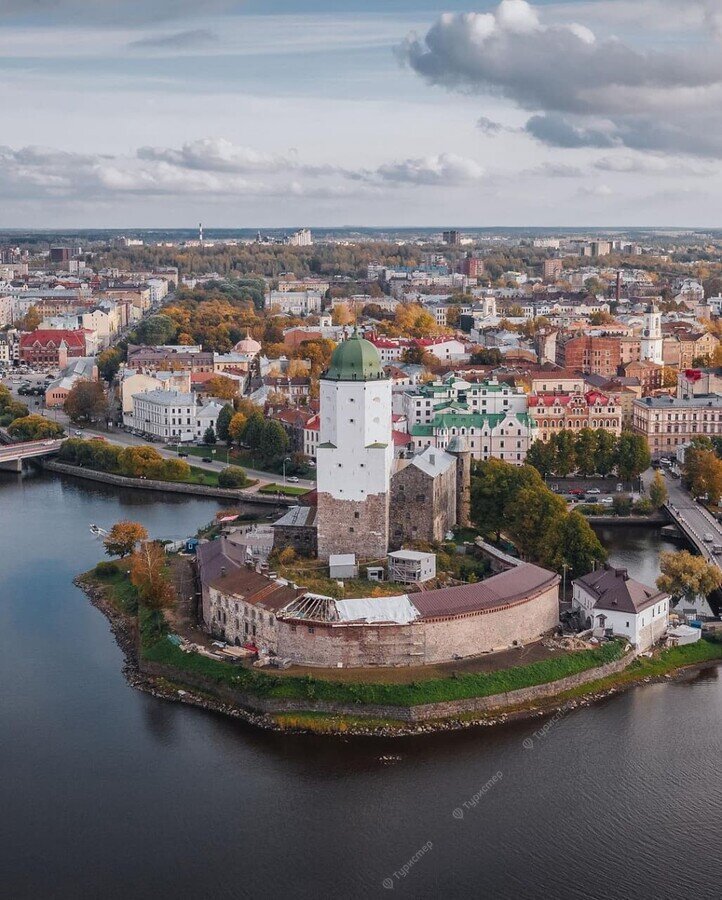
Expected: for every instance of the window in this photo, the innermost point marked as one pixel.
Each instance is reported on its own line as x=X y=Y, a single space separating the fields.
x=311 y=629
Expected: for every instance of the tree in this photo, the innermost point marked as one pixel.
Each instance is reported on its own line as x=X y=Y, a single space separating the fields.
x=237 y=428
x=149 y=576
x=687 y=576
x=487 y=356
x=633 y=456
x=543 y=456
x=413 y=320
x=703 y=470
x=142 y=461
x=341 y=314
x=175 y=470
x=34 y=428
x=223 y=422
x=566 y=456
x=31 y=320
x=109 y=363
x=318 y=353
x=658 y=491
x=155 y=330
x=585 y=450
x=232 y=477
x=254 y=430
x=221 y=387
x=605 y=452
x=577 y=546
x=209 y=436
x=123 y=538
x=86 y=401
x=274 y=441
x=601 y=317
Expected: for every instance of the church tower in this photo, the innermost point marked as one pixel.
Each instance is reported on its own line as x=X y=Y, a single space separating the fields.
x=355 y=454
x=651 y=343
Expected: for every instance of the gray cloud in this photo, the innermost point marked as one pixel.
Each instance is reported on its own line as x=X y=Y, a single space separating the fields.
x=181 y=40
x=444 y=169
x=111 y=12
x=584 y=91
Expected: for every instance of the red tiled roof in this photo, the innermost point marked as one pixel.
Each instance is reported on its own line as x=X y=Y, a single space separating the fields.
x=45 y=336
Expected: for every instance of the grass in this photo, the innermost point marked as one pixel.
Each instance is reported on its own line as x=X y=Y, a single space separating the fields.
x=288 y=490
x=314 y=577
x=118 y=588
x=202 y=476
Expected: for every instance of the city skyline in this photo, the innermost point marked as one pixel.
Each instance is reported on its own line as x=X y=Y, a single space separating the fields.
x=243 y=114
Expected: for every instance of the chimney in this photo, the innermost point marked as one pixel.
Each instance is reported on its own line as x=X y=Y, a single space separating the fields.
x=223 y=571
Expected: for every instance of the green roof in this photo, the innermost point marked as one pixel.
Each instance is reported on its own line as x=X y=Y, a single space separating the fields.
x=475 y=420
x=355 y=360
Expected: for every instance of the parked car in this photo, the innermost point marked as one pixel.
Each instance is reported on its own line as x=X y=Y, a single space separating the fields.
x=577 y=492
x=708 y=538
x=207 y=459
x=182 y=454
x=606 y=501
x=594 y=491
x=717 y=549
x=293 y=479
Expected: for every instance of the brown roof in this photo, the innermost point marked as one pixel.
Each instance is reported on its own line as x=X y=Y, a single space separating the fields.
x=513 y=586
x=213 y=556
x=257 y=589
x=615 y=590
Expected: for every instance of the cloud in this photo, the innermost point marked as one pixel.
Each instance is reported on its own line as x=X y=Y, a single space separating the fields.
x=211 y=168
x=492 y=128
x=443 y=169
x=649 y=165
x=110 y=12
x=596 y=190
x=556 y=170
x=181 y=40
x=583 y=91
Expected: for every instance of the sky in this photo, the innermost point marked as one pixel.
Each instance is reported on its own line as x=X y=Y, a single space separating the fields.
x=282 y=113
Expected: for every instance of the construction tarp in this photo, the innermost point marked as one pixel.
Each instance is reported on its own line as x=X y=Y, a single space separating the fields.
x=397 y=609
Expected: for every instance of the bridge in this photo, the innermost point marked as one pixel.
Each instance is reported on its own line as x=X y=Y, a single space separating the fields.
x=693 y=520
x=12 y=455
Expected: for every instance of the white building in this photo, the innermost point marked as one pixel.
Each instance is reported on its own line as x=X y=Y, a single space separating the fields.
x=611 y=601
x=651 y=345
x=355 y=453
x=295 y=303
x=300 y=238
x=174 y=416
x=411 y=566
x=422 y=404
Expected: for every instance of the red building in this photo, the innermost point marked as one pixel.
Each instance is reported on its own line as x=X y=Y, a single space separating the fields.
x=590 y=355
x=48 y=348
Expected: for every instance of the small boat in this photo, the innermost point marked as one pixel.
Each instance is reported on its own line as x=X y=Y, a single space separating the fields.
x=97 y=531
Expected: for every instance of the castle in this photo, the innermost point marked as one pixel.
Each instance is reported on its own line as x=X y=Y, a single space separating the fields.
x=367 y=501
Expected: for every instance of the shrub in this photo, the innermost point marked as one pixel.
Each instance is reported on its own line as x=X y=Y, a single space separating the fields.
x=642 y=507
x=232 y=477
x=622 y=505
x=106 y=569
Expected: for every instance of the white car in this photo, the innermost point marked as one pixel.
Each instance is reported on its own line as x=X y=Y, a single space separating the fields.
x=708 y=538
x=606 y=501
x=594 y=491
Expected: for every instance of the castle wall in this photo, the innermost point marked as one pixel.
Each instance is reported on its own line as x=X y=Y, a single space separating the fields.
x=353 y=526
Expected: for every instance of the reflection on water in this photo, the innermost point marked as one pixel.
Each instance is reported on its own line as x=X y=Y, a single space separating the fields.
x=107 y=792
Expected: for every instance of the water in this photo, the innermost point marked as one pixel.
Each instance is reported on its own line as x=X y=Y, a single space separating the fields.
x=107 y=792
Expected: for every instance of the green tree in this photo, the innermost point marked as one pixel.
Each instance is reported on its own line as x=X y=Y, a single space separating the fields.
x=577 y=546
x=175 y=470
x=543 y=456
x=274 y=441
x=223 y=422
x=633 y=456
x=254 y=431
x=155 y=330
x=232 y=477
x=605 y=454
x=532 y=520
x=566 y=455
x=109 y=363
x=585 y=451
x=658 y=491
x=209 y=436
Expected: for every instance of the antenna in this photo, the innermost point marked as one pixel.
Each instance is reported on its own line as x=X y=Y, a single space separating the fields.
x=200 y=232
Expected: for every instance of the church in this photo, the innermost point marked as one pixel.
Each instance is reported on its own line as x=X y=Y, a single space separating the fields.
x=367 y=501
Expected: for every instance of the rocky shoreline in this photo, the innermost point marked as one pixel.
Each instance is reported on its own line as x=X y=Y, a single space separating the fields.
x=126 y=637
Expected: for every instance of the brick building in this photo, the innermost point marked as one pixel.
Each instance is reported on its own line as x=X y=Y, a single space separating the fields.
x=423 y=499
x=590 y=355
x=47 y=348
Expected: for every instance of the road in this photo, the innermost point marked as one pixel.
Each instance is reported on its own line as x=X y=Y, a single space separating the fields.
x=691 y=516
x=124 y=439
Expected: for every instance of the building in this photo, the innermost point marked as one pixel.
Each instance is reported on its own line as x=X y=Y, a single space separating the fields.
x=137 y=381
x=553 y=413
x=651 y=345
x=295 y=303
x=613 y=603
x=51 y=349
x=506 y=436
x=552 y=269
x=82 y=368
x=451 y=237
x=424 y=498
x=300 y=238
x=355 y=453
x=411 y=567
x=296 y=529
x=155 y=359
x=174 y=416
x=668 y=422
x=649 y=374
x=590 y=355
x=472 y=266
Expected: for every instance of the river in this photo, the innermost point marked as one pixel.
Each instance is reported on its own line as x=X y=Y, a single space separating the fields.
x=108 y=792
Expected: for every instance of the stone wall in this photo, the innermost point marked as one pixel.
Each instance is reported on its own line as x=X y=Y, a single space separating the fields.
x=167 y=487
x=349 y=526
x=424 y=642
x=301 y=538
x=444 y=710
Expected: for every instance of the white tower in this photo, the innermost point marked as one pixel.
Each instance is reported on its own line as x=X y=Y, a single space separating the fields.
x=651 y=343
x=355 y=455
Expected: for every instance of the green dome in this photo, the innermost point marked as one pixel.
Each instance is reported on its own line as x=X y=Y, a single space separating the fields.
x=355 y=360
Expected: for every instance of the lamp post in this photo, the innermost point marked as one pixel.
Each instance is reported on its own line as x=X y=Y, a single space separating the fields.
x=286 y=460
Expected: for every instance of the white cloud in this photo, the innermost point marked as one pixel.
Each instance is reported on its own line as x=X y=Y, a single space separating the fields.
x=443 y=169
x=586 y=92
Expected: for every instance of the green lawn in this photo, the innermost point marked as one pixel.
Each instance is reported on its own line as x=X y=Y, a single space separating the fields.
x=288 y=490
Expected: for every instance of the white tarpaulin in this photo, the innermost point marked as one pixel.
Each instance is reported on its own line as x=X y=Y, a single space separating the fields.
x=377 y=609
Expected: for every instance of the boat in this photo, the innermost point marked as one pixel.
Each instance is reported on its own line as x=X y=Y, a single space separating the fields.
x=97 y=531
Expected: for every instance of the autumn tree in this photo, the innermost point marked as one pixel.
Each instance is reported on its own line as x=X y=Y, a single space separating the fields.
x=237 y=428
x=149 y=576
x=687 y=576
x=86 y=402
x=658 y=491
x=342 y=314
x=31 y=320
x=34 y=428
x=222 y=387
x=633 y=456
x=413 y=320
x=123 y=538
x=109 y=363
x=141 y=462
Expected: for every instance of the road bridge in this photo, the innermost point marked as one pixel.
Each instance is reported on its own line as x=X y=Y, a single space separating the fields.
x=13 y=455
